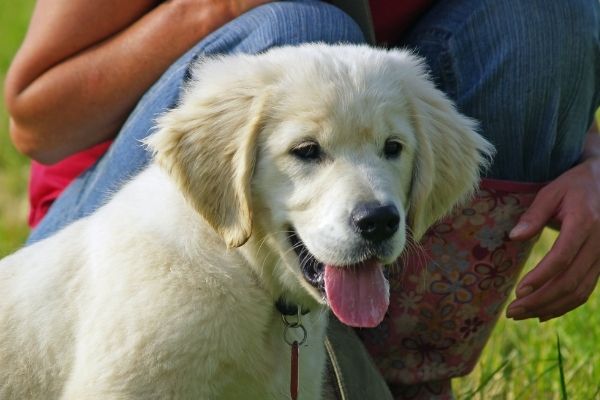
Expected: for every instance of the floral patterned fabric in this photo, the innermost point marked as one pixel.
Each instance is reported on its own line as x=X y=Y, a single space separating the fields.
x=447 y=295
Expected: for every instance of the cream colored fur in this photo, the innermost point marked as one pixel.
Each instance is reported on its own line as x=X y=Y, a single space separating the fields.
x=168 y=291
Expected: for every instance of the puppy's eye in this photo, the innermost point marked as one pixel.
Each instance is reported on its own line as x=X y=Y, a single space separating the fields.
x=308 y=151
x=392 y=149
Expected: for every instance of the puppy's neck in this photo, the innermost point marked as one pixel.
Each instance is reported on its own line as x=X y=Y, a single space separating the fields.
x=275 y=277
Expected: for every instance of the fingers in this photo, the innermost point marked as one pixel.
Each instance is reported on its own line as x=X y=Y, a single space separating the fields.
x=540 y=212
x=567 y=302
x=241 y=6
x=567 y=284
x=572 y=236
x=577 y=298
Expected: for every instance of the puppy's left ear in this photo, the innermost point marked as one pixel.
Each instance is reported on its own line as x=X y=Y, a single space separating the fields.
x=450 y=154
x=208 y=144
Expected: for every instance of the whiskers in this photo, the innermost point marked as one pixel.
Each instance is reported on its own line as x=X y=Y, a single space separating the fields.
x=266 y=257
x=305 y=259
x=413 y=259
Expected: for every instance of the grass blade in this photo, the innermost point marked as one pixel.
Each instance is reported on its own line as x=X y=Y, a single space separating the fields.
x=486 y=380
x=563 y=386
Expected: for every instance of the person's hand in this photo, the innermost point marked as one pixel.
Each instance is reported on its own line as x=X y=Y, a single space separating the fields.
x=220 y=12
x=567 y=275
x=239 y=7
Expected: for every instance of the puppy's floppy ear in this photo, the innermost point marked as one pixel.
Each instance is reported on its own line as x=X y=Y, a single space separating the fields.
x=449 y=157
x=208 y=144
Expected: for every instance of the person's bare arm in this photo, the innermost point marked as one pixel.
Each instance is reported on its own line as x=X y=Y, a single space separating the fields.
x=84 y=65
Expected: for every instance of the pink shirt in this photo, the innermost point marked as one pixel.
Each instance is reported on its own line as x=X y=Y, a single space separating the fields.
x=46 y=182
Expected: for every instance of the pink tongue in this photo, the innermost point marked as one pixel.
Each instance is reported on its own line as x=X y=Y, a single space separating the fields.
x=358 y=294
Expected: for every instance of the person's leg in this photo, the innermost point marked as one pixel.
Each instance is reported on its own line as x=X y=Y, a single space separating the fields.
x=529 y=71
x=274 y=24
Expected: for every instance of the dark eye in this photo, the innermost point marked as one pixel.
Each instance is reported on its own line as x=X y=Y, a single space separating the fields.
x=392 y=149
x=308 y=151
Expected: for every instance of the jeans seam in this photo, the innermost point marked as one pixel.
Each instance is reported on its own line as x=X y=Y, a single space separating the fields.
x=447 y=75
x=571 y=99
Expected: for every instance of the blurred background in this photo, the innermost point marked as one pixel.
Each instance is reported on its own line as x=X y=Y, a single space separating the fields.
x=14 y=16
x=522 y=360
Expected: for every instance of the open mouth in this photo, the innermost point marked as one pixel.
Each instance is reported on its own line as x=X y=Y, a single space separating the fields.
x=312 y=269
x=358 y=294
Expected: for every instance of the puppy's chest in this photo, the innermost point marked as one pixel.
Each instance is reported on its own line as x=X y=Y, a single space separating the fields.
x=263 y=371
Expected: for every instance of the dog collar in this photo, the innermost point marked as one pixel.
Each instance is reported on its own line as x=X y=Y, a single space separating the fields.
x=297 y=339
x=286 y=308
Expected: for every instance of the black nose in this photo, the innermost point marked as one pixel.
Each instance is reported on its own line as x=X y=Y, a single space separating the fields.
x=375 y=222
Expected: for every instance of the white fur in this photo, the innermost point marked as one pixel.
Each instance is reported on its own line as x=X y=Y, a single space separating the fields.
x=168 y=291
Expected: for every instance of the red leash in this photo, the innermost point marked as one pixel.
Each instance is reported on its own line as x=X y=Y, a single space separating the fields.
x=295 y=353
x=294 y=376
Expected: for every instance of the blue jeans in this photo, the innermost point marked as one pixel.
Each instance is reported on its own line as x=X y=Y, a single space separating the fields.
x=528 y=71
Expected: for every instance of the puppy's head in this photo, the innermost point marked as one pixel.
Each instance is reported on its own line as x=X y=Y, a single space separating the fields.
x=327 y=155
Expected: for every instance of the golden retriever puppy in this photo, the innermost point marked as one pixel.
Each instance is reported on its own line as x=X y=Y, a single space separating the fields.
x=283 y=182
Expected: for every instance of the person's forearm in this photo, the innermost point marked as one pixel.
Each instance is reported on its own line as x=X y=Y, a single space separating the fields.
x=85 y=99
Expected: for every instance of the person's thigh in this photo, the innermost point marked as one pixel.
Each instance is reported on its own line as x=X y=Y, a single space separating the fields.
x=274 y=24
x=528 y=71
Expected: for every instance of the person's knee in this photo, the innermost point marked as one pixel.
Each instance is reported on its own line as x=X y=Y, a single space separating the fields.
x=551 y=38
x=295 y=22
x=564 y=31
x=555 y=39
x=527 y=70
x=538 y=69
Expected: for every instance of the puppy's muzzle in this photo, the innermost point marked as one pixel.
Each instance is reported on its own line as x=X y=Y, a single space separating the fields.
x=375 y=222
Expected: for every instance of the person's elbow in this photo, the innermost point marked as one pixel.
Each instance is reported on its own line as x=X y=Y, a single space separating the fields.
x=32 y=144
x=24 y=134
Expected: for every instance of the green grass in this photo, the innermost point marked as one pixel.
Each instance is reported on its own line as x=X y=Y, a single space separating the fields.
x=14 y=16
x=522 y=358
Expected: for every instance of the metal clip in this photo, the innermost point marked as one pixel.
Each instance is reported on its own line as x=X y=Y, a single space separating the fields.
x=297 y=324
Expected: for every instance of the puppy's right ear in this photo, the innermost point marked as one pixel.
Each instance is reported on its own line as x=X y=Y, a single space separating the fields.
x=208 y=144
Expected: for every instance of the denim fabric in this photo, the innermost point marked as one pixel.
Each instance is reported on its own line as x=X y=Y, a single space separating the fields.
x=529 y=71
x=273 y=24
